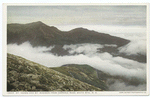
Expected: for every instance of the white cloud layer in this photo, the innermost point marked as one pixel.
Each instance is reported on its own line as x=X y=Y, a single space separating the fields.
x=134 y=48
x=83 y=48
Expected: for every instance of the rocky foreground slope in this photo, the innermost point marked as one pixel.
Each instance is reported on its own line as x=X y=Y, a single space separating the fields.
x=25 y=75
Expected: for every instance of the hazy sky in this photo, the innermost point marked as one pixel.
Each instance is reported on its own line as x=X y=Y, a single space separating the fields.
x=79 y=15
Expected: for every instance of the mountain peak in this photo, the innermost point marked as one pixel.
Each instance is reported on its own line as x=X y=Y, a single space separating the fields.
x=36 y=23
x=79 y=28
x=39 y=22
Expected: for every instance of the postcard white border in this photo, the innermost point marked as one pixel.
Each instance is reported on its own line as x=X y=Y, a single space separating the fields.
x=76 y=93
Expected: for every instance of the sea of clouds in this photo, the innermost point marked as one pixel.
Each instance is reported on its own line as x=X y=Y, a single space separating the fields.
x=115 y=66
x=103 y=61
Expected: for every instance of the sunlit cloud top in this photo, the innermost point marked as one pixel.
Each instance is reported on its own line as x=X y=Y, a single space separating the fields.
x=79 y=15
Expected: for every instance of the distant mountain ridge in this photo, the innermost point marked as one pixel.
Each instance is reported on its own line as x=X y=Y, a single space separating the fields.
x=40 y=34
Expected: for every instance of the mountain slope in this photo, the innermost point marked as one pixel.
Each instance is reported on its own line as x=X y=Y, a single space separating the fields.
x=39 y=34
x=95 y=77
x=84 y=73
x=25 y=75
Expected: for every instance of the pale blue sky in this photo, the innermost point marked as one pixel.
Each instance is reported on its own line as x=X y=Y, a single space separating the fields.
x=79 y=15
